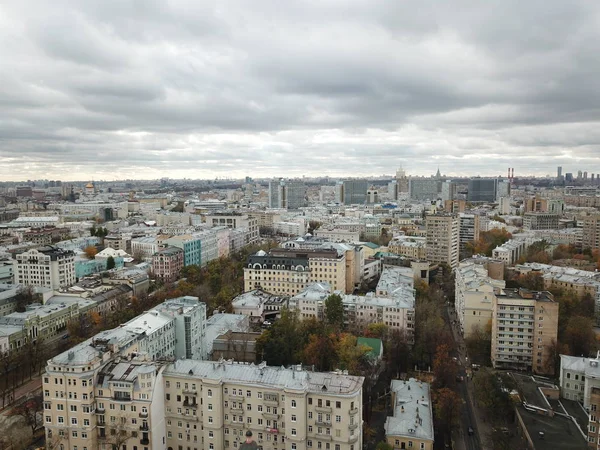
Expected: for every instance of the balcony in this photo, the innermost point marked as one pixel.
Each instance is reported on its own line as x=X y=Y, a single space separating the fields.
x=353 y=411
x=143 y=415
x=189 y=391
x=144 y=441
x=191 y=403
x=325 y=409
x=268 y=415
x=144 y=427
x=325 y=423
x=353 y=426
x=100 y=410
x=271 y=401
x=238 y=408
x=353 y=439
x=323 y=437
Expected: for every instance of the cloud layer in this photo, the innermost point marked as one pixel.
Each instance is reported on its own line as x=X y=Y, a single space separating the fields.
x=113 y=89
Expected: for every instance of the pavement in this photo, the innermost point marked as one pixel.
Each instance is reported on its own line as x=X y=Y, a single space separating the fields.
x=470 y=415
x=23 y=391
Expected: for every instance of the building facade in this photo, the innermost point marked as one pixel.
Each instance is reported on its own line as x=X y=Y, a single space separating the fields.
x=287 y=194
x=524 y=330
x=167 y=264
x=443 y=238
x=48 y=267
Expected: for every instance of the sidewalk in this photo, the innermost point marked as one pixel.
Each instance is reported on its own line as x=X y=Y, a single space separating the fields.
x=22 y=391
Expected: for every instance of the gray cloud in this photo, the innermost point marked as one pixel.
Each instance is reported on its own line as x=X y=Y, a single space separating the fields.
x=122 y=89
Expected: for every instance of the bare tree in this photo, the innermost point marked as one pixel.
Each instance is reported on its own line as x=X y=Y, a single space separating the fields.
x=118 y=433
x=30 y=410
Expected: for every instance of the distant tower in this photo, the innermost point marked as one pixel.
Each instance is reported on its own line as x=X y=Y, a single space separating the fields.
x=559 y=172
x=438 y=175
x=90 y=189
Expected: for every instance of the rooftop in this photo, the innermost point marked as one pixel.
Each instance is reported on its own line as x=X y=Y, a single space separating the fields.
x=270 y=377
x=559 y=433
x=412 y=410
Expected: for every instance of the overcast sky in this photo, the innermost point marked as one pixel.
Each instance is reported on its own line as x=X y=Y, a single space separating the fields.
x=115 y=89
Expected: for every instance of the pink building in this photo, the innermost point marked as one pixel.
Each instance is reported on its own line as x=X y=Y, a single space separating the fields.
x=167 y=264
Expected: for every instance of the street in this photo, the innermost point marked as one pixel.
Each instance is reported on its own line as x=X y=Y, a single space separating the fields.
x=468 y=414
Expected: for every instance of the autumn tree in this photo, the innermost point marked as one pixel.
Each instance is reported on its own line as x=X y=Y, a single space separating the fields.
x=447 y=404
x=488 y=241
x=280 y=344
x=479 y=344
x=579 y=336
x=90 y=251
x=320 y=352
x=334 y=311
x=444 y=368
x=349 y=353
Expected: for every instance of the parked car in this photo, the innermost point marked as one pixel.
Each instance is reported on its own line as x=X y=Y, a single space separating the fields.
x=470 y=431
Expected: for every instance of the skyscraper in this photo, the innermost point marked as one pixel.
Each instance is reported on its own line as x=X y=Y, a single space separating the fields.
x=443 y=238
x=354 y=192
x=287 y=194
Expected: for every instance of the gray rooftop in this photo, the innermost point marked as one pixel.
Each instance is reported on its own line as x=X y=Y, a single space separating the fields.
x=269 y=377
x=412 y=410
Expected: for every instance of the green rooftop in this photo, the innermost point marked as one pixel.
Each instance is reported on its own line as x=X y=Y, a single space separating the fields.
x=375 y=344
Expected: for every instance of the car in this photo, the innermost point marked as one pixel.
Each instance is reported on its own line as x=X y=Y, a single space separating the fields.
x=470 y=430
x=65 y=336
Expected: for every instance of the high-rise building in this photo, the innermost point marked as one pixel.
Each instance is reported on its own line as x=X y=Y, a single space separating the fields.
x=487 y=189
x=559 y=172
x=443 y=238
x=448 y=190
x=591 y=232
x=402 y=181
x=424 y=188
x=524 y=330
x=287 y=194
x=469 y=232
x=353 y=192
x=49 y=267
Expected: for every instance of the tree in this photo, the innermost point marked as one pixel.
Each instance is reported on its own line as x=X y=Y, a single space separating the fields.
x=491 y=397
x=90 y=251
x=25 y=297
x=93 y=230
x=30 y=411
x=280 y=345
x=444 y=368
x=580 y=336
x=313 y=225
x=320 y=352
x=118 y=433
x=348 y=353
x=334 y=311
x=447 y=409
x=384 y=446
x=479 y=344
x=110 y=263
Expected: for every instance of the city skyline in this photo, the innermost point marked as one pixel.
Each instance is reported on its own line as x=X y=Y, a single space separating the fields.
x=205 y=90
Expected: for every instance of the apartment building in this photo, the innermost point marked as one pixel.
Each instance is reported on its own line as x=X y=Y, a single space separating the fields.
x=409 y=246
x=524 y=328
x=443 y=238
x=266 y=218
x=540 y=221
x=144 y=247
x=468 y=232
x=578 y=376
x=191 y=246
x=103 y=395
x=236 y=220
x=411 y=426
x=337 y=235
x=591 y=232
x=211 y=405
x=474 y=294
x=118 y=242
x=254 y=303
x=580 y=282
x=351 y=192
x=424 y=188
x=287 y=271
x=393 y=302
x=49 y=267
x=167 y=264
x=593 y=429
x=511 y=251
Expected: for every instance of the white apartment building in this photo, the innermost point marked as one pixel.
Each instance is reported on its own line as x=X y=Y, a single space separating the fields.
x=474 y=294
x=234 y=219
x=338 y=235
x=49 y=267
x=290 y=228
x=144 y=247
x=578 y=376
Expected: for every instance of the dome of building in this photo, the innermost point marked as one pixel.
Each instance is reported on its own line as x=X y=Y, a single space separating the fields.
x=89 y=186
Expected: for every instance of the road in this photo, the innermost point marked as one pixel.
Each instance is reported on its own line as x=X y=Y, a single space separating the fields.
x=468 y=414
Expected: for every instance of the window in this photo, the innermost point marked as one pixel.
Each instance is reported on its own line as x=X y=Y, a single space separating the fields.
x=209 y=393
x=248 y=394
x=338 y=419
x=73 y=420
x=210 y=419
x=293 y=417
x=293 y=432
x=293 y=403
